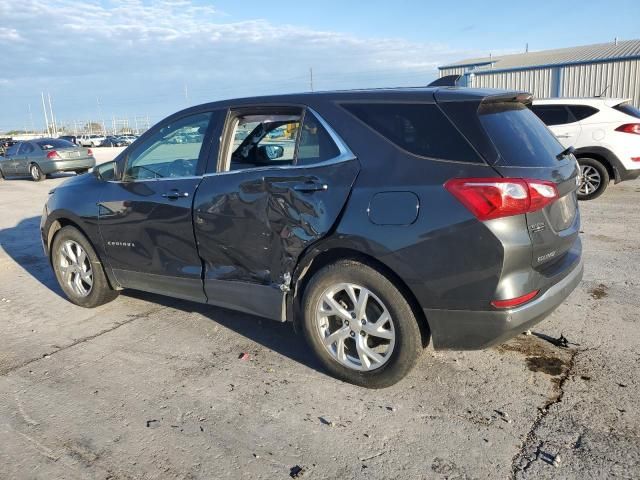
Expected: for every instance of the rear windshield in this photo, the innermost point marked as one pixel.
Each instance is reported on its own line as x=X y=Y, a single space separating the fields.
x=628 y=109
x=54 y=143
x=519 y=135
x=421 y=129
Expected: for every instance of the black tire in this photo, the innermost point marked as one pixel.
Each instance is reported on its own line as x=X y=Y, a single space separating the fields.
x=82 y=171
x=100 y=291
x=36 y=172
x=594 y=170
x=408 y=337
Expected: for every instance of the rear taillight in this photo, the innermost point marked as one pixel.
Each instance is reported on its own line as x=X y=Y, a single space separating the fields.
x=489 y=198
x=53 y=155
x=89 y=152
x=514 y=302
x=629 y=128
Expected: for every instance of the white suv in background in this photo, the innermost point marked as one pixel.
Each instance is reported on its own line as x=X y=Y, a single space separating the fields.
x=90 y=140
x=605 y=133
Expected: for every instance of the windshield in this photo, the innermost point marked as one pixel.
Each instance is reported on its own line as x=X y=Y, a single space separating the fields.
x=519 y=135
x=52 y=143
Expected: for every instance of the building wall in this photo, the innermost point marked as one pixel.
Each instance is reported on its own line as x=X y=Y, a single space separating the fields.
x=536 y=81
x=585 y=80
x=621 y=77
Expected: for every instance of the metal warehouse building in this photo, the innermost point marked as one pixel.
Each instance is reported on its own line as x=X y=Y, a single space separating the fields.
x=606 y=69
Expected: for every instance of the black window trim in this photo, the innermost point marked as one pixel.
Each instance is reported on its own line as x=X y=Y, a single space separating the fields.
x=233 y=112
x=482 y=161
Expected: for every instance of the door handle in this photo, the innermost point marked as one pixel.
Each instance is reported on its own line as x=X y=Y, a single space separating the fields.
x=310 y=187
x=175 y=194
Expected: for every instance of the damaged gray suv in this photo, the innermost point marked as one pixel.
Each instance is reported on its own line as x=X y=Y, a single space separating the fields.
x=374 y=221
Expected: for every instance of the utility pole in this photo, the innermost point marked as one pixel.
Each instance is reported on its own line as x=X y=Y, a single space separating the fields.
x=311 y=78
x=53 y=120
x=104 y=128
x=186 y=94
x=46 y=120
x=33 y=128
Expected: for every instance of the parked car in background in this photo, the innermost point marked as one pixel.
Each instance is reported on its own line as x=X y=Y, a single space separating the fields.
x=70 y=138
x=44 y=156
x=90 y=140
x=400 y=216
x=113 y=141
x=605 y=133
x=128 y=138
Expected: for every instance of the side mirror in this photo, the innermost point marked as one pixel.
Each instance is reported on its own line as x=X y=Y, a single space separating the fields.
x=107 y=171
x=270 y=152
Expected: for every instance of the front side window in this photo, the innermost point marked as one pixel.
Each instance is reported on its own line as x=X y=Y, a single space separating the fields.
x=171 y=151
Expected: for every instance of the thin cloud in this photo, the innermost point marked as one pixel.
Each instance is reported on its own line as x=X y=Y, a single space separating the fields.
x=135 y=53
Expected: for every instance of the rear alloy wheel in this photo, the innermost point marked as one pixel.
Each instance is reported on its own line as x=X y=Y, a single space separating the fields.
x=78 y=269
x=360 y=326
x=594 y=179
x=36 y=172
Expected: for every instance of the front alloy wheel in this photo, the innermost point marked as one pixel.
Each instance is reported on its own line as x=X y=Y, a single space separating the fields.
x=79 y=270
x=75 y=268
x=355 y=326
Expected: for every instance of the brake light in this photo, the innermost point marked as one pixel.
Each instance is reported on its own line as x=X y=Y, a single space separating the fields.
x=629 y=128
x=89 y=152
x=489 y=198
x=635 y=159
x=52 y=155
x=514 y=302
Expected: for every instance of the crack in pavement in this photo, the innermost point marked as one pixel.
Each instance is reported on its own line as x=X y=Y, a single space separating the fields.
x=542 y=413
x=132 y=318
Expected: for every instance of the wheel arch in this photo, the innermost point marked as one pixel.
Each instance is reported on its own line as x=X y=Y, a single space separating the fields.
x=316 y=259
x=604 y=156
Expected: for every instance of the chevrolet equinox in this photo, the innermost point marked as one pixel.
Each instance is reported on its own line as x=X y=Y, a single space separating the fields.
x=375 y=221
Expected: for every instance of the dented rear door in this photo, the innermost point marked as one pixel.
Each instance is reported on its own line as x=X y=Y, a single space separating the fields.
x=252 y=225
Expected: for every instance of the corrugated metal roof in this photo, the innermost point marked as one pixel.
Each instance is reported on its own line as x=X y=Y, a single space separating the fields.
x=561 y=56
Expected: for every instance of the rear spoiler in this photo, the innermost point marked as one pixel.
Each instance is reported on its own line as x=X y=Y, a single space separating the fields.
x=518 y=97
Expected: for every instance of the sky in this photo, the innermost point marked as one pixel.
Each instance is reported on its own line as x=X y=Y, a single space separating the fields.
x=124 y=58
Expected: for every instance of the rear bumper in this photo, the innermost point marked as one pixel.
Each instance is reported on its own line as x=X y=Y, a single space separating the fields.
x=67 y=165
x=473 y=330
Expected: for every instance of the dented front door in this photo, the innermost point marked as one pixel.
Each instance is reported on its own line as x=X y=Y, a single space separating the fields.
x=252 y=225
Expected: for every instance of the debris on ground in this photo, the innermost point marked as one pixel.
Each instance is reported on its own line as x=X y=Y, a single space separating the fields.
x=325 y=421
x=244 y=356
x=599 y=291
x=153 y=423
x=296 y=471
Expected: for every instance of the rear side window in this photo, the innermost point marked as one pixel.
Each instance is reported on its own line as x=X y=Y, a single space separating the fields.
x=582 y=112
x=553 y=114
x=316 y=145
x=628 y=109
x=519 y=136
x=421 y=129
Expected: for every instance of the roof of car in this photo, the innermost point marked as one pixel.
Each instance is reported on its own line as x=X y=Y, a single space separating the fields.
x=609 y=102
